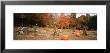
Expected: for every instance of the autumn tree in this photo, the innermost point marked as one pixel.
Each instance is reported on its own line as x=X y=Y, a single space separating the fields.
x=83 y=20
x=64 y=21
x=53 y=20
x=42 y=19
x=73 y=20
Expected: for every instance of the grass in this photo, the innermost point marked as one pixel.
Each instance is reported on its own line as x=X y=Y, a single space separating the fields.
x=49 y=34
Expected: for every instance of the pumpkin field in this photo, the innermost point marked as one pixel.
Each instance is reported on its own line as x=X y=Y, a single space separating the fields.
x=62 y=34
x=55 y=26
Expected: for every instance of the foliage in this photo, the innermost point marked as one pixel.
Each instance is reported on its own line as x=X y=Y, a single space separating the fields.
x=52 y=20
x=92 y=23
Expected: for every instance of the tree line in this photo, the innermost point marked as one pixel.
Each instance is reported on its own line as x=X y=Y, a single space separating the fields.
x=61 y=21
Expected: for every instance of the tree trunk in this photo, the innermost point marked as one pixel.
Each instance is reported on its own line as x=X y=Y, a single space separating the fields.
x=84 y=31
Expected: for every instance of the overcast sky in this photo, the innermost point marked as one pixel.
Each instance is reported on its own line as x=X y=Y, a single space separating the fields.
x=79 y=14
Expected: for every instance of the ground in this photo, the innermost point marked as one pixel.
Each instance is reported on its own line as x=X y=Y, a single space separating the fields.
x=49 y=34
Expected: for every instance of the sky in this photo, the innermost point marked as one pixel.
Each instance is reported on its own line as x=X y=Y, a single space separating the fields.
x=79 y=14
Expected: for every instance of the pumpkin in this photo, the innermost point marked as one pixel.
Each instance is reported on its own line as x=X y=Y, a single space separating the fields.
x=64 y=37
x=77 y=34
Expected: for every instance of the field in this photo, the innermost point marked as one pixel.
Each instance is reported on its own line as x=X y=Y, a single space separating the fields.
x=29 y=33
x=55 y=26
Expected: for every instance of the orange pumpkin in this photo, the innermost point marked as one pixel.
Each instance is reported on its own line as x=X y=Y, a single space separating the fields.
x=64 y=37
x=77 y=34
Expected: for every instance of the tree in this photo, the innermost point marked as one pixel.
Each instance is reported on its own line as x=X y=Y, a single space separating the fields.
x=64 y=21
x=73 y=20
x=42 y=19
x=83 y=20
x=92 y=23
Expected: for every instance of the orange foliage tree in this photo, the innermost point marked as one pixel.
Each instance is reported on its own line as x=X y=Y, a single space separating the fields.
x=64 y=21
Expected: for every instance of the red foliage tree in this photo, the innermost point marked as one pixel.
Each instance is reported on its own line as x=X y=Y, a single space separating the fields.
x=42 y=19
x=45 y=19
